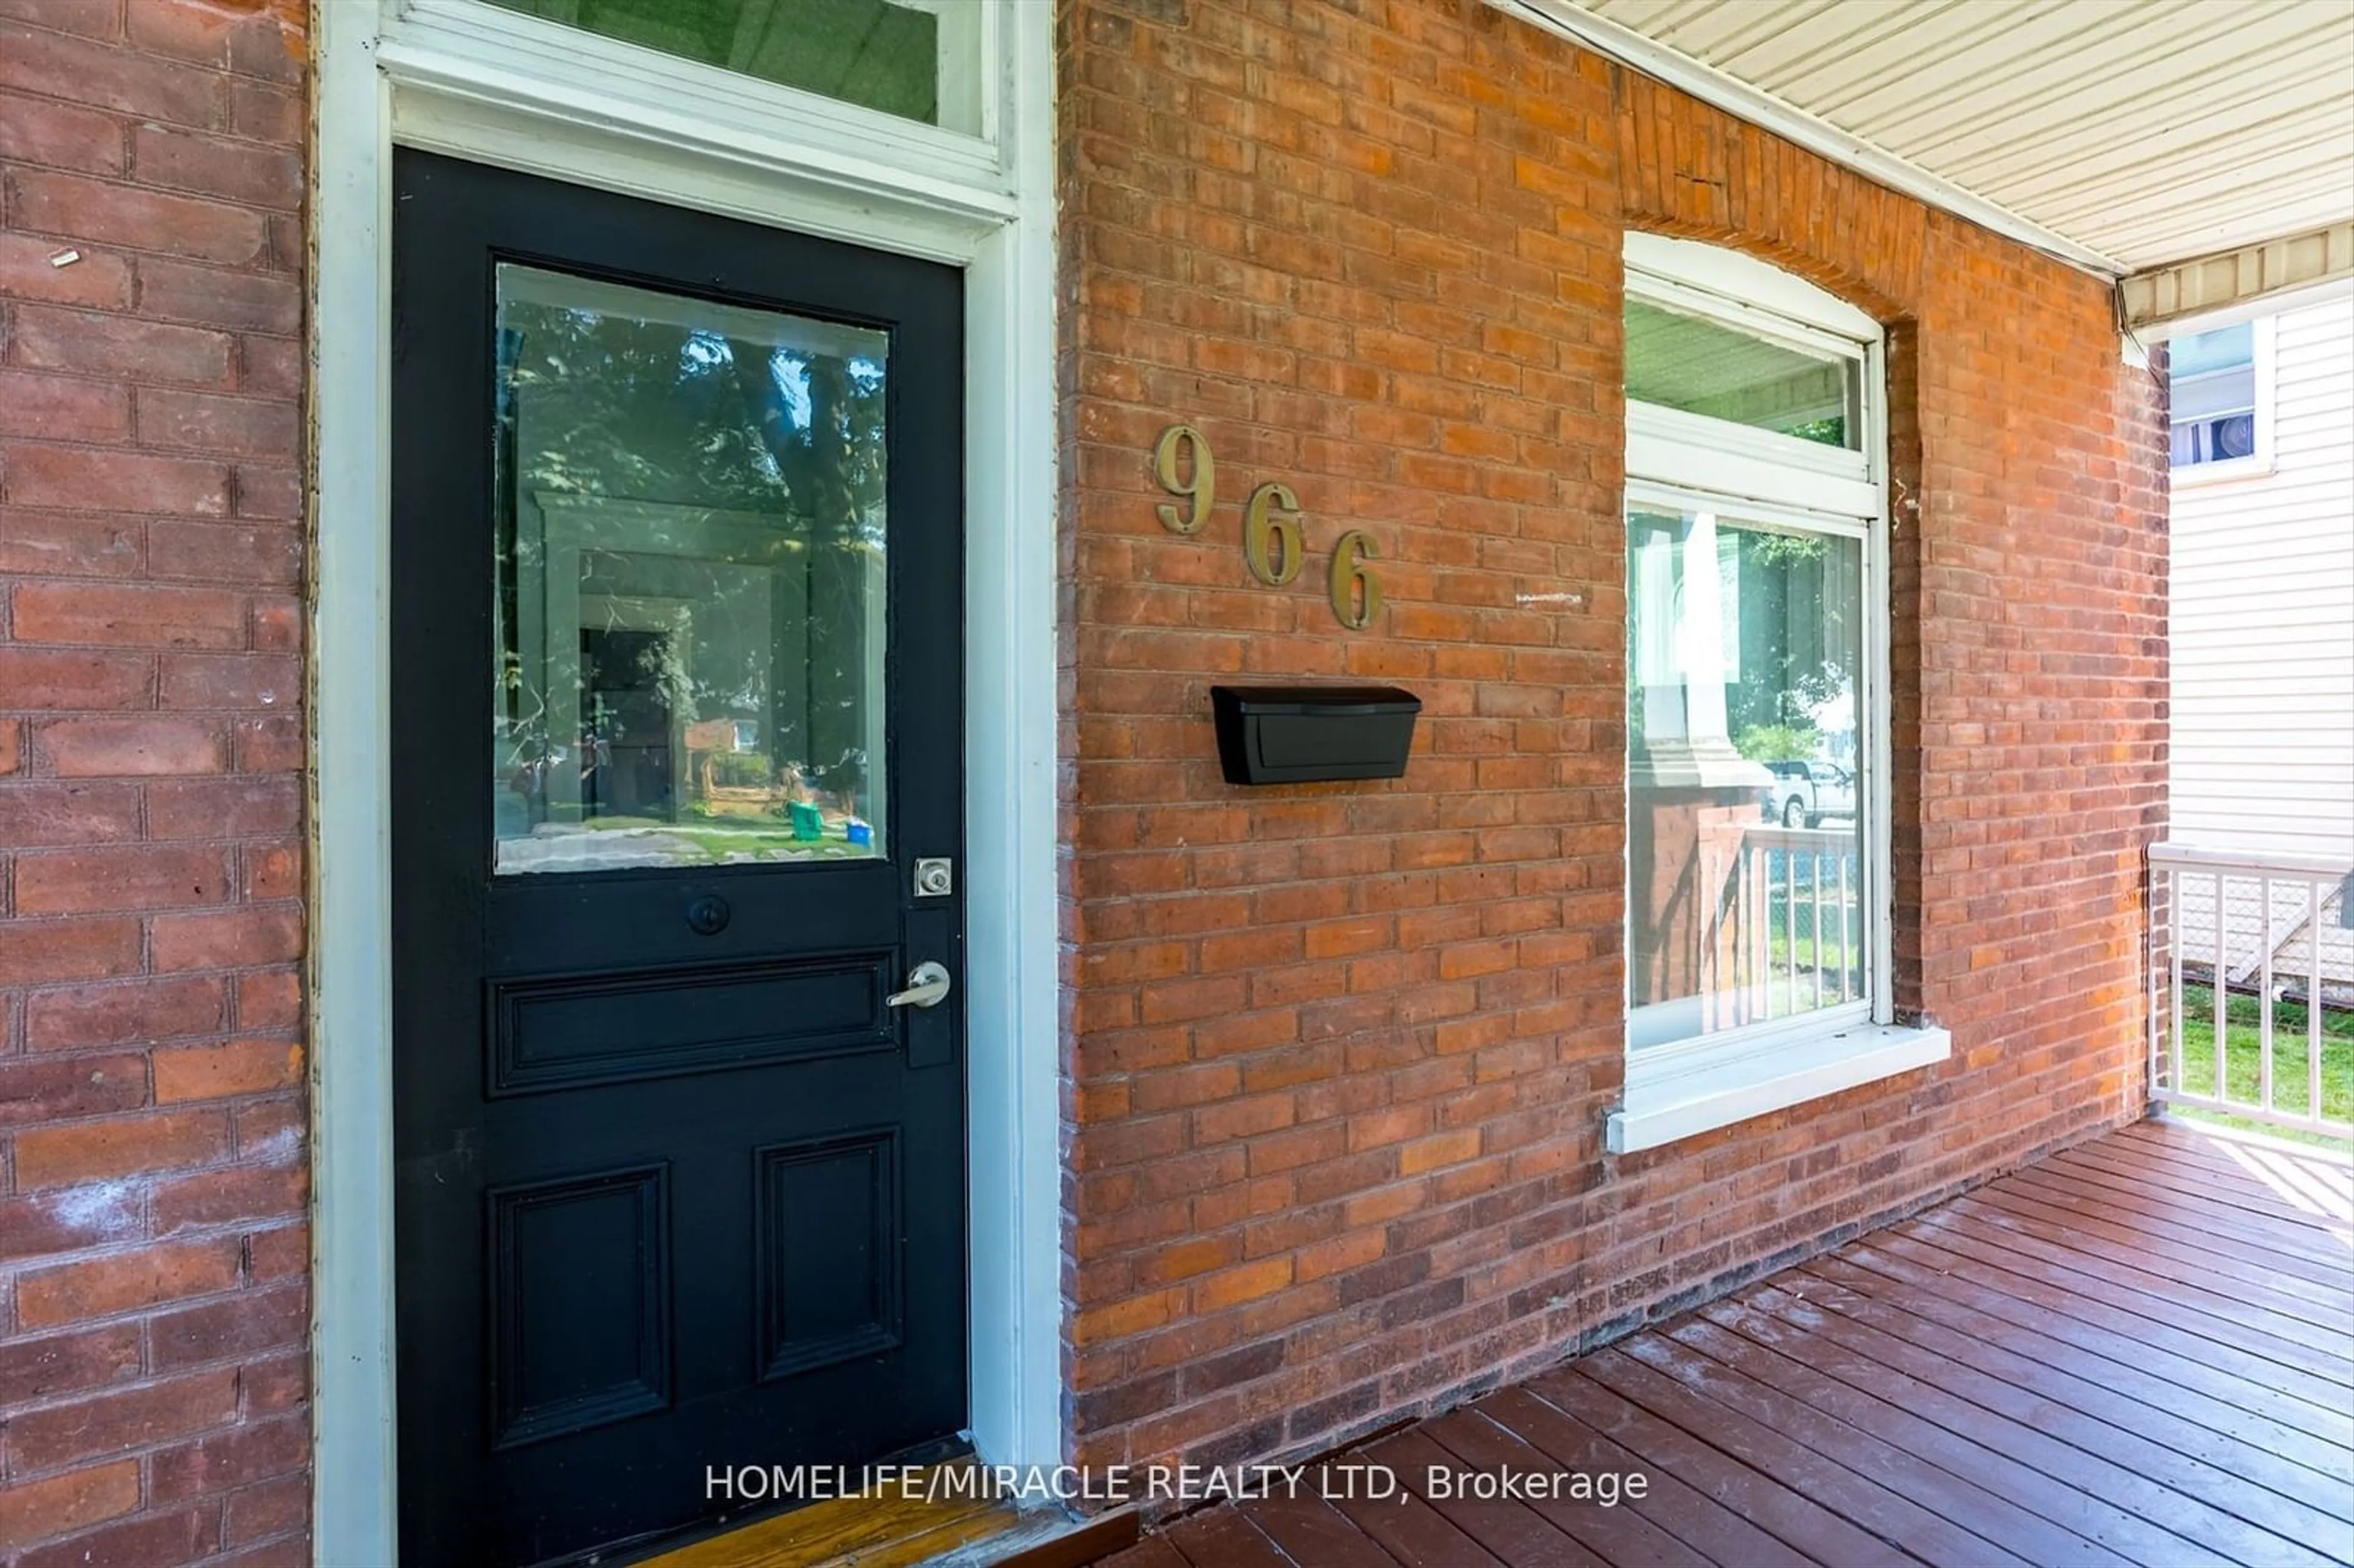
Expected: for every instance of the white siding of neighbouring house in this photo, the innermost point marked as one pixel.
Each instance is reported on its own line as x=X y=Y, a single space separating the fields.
x=2262 y=617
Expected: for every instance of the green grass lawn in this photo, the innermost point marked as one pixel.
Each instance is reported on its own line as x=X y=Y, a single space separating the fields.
x=1804 y=952
x=2244 y=1054
x=718 y=839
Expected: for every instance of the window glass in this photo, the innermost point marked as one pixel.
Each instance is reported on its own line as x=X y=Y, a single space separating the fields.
x=880 y=54
x=1703 y=366
x=1745 y=796
x=690 y=560
x=2213 y=395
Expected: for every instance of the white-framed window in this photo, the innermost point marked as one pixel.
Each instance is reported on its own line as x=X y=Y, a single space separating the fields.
x=862 y=91
x=918 y=59
x=2220 y=417
x=1758 y=928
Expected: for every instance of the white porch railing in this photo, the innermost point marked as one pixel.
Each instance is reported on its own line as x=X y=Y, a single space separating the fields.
x=2251 y=971
x=1783 y=933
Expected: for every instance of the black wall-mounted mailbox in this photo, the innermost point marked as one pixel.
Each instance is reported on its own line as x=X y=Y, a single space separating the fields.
x=1304 y=735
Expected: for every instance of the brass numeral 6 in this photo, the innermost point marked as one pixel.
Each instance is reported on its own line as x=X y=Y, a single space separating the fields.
x=1356 y=591
x=1272 y=546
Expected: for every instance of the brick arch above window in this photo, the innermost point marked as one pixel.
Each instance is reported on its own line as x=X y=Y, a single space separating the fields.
x=1691 y=171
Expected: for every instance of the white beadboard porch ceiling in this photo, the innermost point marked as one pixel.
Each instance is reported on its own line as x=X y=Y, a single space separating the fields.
x=2144 y=132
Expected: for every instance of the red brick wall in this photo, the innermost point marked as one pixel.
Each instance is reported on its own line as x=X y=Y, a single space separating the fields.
x=154 y=1367
x=1344 y=1053
x=1340 y=1054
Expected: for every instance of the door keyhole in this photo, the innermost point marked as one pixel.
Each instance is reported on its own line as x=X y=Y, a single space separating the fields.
x=707 y=915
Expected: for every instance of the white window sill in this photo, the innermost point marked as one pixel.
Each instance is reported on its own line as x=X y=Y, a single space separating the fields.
x=1677 y=1093
x=2224 y=470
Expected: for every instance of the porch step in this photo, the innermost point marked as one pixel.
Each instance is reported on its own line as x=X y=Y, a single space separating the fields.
x=901 y=1529
x=898 y=1528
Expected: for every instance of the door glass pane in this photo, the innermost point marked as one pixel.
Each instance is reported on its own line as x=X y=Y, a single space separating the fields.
x=690 y=559
x=1745 y=796
x=917 y=58
x=1703 y=366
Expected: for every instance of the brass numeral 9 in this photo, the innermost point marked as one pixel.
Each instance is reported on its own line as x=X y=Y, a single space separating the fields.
x=1272 y=546
x=1201 y=489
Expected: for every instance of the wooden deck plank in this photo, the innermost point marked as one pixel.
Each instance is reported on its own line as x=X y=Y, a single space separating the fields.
x=2331 y=1377
x=1310 y=1529
x=2170 y=1491
x=2298 y=1192
x=1931 y=1253
x=1763 y=1500
x=1224 y=1537
x=2124 y=1461
x=2250 y=1278
x=2299 y=1195
x=1512 y=1532
x=1614 y=1533
x=2194 y=1146
x=2258 y=1449
x=2222 y=1181
x=1695 y=1517
x=2209 y=1183
x=2322 y=1254
x=1976 y=1486
x=2180 y=1228
x=1861 y=1501
x=2222 y=1205
x=2308 y=1342
x=2138 y=1351
x=2322 y=1320
x=1925 y=1267
x=1152 y=1552
x=1923 y=1492
x=1407 y=1527
x=2309 y=1180
x=2156 y=1216
x=2257 y=1159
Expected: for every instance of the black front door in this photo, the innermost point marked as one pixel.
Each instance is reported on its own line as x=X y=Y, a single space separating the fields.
x=676 y=772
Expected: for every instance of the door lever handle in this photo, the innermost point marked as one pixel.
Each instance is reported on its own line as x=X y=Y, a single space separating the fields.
x=928 y=986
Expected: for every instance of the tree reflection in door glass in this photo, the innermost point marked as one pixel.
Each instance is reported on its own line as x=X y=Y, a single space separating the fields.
x=691 y=571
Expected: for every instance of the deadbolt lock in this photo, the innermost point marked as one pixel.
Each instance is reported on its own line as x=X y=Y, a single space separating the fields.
x=935 y=877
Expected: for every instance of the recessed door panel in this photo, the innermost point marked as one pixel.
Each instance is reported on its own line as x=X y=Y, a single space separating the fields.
x=829 y=1254
x=580 y=1295
x=575 y=1031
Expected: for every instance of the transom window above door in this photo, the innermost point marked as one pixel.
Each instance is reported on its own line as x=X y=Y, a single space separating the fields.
x=920 y=59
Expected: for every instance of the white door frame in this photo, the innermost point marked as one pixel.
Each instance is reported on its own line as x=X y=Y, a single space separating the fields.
x=502 y=88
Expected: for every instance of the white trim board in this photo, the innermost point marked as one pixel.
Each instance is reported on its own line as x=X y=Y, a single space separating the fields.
x=583 y=77
x=349 y=700
x=1671 y=1099
x=2207 y=291
x=993 y=216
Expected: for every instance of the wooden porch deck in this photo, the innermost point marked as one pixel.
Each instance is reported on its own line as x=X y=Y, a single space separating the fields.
x=2140 y=1351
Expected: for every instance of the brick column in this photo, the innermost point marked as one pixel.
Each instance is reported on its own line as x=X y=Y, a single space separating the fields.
x=153 y=1258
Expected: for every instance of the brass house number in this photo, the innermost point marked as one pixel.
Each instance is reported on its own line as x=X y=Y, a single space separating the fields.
x=1273 y=547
